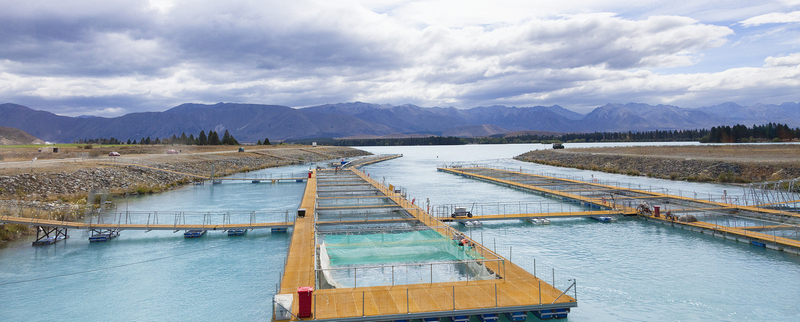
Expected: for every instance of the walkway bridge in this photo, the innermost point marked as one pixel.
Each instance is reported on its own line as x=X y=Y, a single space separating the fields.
x=763 y=227
x=53 y=227
x=344 y=204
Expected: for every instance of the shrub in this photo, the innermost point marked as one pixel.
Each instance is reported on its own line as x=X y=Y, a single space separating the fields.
x=632 y=172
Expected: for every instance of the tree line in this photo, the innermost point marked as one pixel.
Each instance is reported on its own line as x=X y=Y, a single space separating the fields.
x=722 y=134
x=739 y=133
x=212 y=138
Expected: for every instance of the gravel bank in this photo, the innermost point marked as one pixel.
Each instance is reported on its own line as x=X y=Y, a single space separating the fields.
x=51 y=189
x=697 y=168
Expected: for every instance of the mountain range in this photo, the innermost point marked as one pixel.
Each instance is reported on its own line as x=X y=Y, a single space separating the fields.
x=252 y=122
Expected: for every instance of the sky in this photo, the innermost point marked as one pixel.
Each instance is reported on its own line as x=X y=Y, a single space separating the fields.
x=110 y=58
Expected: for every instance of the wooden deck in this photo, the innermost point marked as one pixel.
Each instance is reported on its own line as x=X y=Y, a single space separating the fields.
x=707 y=205
x=301 y=260
x=515 y=290
x=83 y=225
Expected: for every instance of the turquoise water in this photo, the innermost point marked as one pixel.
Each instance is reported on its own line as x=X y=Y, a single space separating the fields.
x=629 y=270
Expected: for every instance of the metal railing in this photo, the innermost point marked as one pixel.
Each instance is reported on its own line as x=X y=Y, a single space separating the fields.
x=390 y=278
x=410 y=302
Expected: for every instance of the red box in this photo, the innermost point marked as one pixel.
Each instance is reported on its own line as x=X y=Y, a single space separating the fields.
x=304 y=302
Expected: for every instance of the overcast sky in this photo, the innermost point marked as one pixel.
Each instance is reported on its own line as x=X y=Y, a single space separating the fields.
x=109 y=58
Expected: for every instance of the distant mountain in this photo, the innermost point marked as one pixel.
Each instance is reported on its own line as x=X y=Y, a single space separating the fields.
x=246 y=122
x=252 y=122
x=732 y=113
x=13 y=136
x=643 y=117
x=469 y=131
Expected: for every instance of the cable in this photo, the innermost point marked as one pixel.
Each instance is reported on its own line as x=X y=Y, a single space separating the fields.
x=118 y=266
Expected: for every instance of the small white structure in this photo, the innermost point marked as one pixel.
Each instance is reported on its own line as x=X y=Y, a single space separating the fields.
x=314 y=144
x=283 y=307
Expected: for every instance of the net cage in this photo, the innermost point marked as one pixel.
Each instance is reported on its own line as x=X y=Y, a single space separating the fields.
x=410 y=257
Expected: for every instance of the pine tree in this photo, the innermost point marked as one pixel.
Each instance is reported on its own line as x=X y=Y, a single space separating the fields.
x=266 y=141
x=202 y=139
x=213 y=138
x=226 y=138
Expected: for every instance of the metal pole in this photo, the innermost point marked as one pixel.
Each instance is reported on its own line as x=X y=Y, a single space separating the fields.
x=363 y=300
x=408 y=310
x=540 y=292
x=495 y=295
x=454 y=298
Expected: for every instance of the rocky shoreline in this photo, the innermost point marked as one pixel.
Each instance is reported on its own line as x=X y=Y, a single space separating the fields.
x=67 y=191
x=686 y=169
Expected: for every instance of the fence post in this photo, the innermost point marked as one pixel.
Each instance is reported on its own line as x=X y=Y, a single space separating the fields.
x=495 y=295
x=408 y=310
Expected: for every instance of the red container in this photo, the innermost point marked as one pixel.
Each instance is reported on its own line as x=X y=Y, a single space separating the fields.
x=304 y=301
x=309 y=174
x=656 y=211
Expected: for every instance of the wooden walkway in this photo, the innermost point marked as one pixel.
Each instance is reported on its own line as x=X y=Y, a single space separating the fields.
x=83 y=225
x=301 y=259
x=514 y=290
x=504 y=177
x=573 y=214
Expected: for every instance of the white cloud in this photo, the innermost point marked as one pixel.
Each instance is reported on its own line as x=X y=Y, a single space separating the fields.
x=153 y=54
x=792 y=60
x=770 y=18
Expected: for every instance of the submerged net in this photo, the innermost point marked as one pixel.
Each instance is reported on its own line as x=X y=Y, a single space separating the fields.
x=325 y=264
x=416 y=247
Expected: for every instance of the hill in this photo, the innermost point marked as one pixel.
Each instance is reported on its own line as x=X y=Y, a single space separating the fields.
x=253 y=122
x=14 y=136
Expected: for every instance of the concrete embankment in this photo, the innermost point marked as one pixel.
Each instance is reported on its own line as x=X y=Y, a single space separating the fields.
x=694 y=167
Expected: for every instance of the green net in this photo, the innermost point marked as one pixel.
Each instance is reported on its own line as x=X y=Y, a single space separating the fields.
x=409 y=247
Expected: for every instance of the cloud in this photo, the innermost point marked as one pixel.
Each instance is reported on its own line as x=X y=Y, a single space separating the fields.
x=138 y=55
x=770 y=18
x=792 y=60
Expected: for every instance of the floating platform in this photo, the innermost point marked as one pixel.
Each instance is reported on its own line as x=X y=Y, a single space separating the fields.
x=517 y=316
x=511 y=290
x=237 y=232
x=103 y=237
x=49 y=240
x=551 y=314
x=538 y=221
x=194 y=233
x=278 y=230
x=471 y=223
x=620 y=200
x=604 y=218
